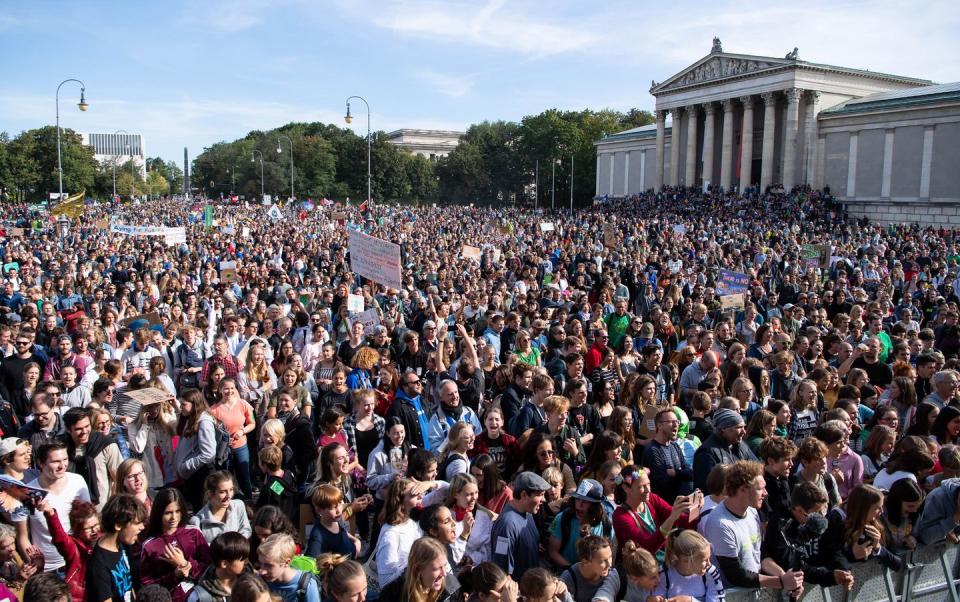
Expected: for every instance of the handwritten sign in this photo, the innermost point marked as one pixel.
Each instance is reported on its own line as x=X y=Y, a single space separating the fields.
x=149 y=396
x=731 y=283
x=731 y=302
x=228 y=272
x=369 y=319
x=547 y=227
x=471 y=252
x=375 y=259
x=679 y=229
x=610 y=236
x=355 y=303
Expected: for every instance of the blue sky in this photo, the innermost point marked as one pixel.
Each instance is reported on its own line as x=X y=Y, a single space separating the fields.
x=194 y=72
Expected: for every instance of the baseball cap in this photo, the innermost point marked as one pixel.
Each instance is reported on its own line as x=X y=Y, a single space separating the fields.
x=530 y=481
x=588 y=491
x=10 y=445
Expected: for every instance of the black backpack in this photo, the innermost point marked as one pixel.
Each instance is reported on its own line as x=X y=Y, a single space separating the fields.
x=221 y=458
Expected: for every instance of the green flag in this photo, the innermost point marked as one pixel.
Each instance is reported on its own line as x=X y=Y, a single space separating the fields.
x=208 y=216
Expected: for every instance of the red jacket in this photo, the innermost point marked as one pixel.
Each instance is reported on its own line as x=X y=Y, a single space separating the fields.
x=75 y=553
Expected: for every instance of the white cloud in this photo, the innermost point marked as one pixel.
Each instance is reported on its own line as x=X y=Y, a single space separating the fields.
x=494 y=25
x=227 y=16
x=454 y=86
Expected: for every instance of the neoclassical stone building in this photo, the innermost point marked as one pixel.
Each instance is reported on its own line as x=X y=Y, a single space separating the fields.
x=887 y=146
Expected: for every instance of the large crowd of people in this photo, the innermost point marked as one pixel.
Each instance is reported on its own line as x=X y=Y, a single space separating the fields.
x=651 y=400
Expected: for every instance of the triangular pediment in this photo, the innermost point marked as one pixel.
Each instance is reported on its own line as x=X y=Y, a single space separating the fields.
x=718 y=67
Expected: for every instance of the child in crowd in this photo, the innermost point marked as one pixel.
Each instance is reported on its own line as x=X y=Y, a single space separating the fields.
x=274 y=556
x=279 y=487
x=642 y=574
x=330 y=532
x=594 y=569
x=229 y=553
x=687 y=569
x=701 y=426
x=109 y=574
x=539 y=585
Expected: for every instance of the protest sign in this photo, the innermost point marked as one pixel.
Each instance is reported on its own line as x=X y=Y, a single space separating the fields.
x=355 y=303
x=245 y=232
x=338 y=216
x=813 y=256
x=610 y=236
x=375 y=259
x=149 y=396
x=274 y=212
x=175 y=236
x=546 y=227
x=16 y=231
x=730 y=282
x=471 y=252
x=228 y=272
x=679 y=229
x=728 y=302
x=369 y=319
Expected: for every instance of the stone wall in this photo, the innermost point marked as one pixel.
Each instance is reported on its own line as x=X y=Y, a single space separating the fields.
x=925 y=214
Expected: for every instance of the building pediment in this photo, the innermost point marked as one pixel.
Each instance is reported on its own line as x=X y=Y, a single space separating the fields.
x=717 y=67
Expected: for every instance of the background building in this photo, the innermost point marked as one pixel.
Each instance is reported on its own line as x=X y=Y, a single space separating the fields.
x=432 y=144
x=119 y=148
x=887 y=146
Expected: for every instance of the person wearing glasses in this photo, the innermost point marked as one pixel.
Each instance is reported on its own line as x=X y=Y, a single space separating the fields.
x=132 y=478
x=46 y=426
x=597 y=350
x=408 y=408
x=670 y=474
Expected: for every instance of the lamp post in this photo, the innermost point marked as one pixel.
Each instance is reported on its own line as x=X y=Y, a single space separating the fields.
x=349 y=119
x=115 y=166
x=233 y=179
x=280 y=150
x=571 y=184
x=83 y=107
x=553 y=187
x=133 y=174
x=253 y=159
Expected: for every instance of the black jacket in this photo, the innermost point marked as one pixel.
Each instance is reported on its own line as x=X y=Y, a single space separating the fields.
x=785 y=545
x=299 y=437
x=715 y=450
x=403 y=409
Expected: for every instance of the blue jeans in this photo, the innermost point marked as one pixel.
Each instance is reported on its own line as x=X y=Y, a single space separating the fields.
x=240 y=463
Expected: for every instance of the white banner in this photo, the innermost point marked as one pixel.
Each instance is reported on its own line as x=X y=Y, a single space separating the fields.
x=376 y=259
x=369 y=319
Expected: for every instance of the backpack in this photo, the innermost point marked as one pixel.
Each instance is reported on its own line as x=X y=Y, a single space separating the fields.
x=222 y=456
x=303 y=585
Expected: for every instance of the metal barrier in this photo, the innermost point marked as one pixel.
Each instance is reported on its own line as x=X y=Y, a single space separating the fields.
x=930 y=574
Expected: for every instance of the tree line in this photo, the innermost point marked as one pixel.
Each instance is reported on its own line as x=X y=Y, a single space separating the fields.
x=495 y=163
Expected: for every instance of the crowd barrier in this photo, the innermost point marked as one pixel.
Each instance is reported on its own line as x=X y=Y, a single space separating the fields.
x=929 y=574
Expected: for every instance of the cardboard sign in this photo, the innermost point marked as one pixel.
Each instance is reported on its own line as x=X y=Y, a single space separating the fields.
x=374 y=258
x=228 y=272
x=611 y=238
x=338 y=216
x=731 y=302
x=471 y=252
x=648 y=424
x=149 y=396
x=16 y=232
x=355 y=303
x=369 y=319
x=152 y=318
x=102 y=224
x=547 y=227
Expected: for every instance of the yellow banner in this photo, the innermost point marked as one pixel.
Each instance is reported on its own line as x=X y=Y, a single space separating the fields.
x=72 y=207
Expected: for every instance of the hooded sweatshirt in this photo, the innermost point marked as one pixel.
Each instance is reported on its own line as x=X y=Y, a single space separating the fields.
x=936 y=520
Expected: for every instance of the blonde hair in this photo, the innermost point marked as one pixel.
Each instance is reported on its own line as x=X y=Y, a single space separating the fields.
x=555 y=403
x=553 y=475
x=279 y=547
x=637 y=562
x=275 y=429
x=456 y=436
x=335 y=570
x=685 y=543
x=424 y=551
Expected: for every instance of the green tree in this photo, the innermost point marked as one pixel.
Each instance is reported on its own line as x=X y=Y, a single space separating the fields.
x=157 y=184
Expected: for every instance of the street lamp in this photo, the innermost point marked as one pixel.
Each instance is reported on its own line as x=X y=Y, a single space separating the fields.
x=115 y=166
x=349 y=119
x=280 y=150
x=233 y=179
x=253 y=159
x=83 y=107
x=133 y=175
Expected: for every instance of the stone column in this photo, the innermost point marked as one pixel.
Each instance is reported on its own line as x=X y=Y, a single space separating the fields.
x=661 y=134
x=708 y=125
x=746 y=144
x=769 y=129
x=810 y=138
x=690 y=173
x=726 y=149
x=791 y=139
x=675 y=147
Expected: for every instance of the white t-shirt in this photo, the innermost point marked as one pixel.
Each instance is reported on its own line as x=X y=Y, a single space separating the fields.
x=75 y=487
x=734 y=537
x=884 y=480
